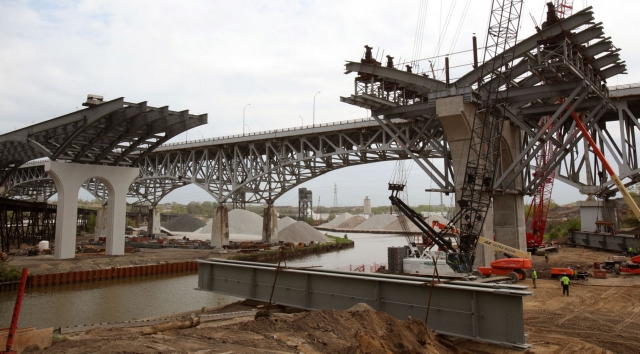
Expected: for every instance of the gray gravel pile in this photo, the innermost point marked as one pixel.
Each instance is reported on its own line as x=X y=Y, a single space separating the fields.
x=244 y=222
x=338 y=220
x=301 y=232
x=376 y=222
x=284 y=222
x=351 y=222
x=184 y=222
x=397 y=227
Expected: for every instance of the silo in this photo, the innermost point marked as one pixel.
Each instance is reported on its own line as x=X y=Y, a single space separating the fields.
x=367 y=205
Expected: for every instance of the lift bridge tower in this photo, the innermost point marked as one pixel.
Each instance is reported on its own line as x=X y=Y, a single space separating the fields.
x=305 y=203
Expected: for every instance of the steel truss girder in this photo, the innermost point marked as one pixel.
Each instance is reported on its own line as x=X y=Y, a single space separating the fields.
x=264 y=169
x=457 y=308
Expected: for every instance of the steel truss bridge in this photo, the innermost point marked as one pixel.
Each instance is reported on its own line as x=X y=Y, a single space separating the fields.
x=570 y=59
x=259 y=167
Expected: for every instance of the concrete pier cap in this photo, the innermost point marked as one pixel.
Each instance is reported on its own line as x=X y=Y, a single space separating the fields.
x=68 y=178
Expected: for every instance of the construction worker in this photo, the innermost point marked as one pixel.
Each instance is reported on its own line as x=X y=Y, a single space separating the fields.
x=630 y=251
x=546 y=256
x=534 y=276
x=575 y=273
x=565 y=281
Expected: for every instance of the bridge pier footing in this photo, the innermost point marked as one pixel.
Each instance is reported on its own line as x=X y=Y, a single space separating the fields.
x=270 y=225
x=220 y=227
x=68 y=178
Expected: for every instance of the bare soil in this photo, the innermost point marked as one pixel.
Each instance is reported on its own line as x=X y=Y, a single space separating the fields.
x=599 y=316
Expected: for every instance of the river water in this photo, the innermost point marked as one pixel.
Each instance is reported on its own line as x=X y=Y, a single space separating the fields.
x=137 y=298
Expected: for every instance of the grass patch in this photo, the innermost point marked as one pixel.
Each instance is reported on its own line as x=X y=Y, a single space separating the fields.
x=339 y=240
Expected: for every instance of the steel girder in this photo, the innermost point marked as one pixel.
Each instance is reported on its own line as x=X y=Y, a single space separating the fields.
x=115 y=133
x=484 y=312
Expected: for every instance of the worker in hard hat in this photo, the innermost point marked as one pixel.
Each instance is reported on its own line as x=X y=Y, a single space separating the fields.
x=534 y=276
x=565 y=281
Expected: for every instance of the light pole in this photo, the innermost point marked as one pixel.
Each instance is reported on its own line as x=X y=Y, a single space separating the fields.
x=301 y=122
x=314 y=108
x=245 y=108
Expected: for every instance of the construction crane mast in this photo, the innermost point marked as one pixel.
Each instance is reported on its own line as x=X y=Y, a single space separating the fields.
x=484 y=152
x=538 y=210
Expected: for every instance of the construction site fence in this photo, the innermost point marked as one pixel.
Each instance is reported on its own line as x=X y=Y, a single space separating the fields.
x=84 y=276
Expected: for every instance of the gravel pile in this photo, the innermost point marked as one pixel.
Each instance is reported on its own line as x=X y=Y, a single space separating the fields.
x=376 y=222
x=284 y=222
x=338 y=220
x=244 y=222
x=184 y=222
x=351 y=222
x=301 y=232
x=396 y=227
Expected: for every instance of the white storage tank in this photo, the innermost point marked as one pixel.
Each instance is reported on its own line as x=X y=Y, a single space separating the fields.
x=43 y=245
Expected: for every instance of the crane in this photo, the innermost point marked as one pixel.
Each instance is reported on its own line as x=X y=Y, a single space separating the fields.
x=538 y=210
x=483 y=156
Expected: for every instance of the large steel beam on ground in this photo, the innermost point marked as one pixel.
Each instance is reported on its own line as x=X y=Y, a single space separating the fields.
x=485 y=312
x=68 y=178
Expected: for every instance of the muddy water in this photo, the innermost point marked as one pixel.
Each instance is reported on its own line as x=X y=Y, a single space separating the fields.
x=108 y=301
x=136 y=298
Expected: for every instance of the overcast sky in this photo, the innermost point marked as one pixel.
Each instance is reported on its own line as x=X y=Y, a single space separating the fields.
x=216 y=57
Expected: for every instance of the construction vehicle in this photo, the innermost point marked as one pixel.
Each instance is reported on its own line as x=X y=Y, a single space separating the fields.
x=445 y=227
x=514 y=268
x=632 y=267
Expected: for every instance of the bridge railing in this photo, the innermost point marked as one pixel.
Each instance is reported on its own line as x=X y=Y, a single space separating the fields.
x=271 y=131
x=622 y=87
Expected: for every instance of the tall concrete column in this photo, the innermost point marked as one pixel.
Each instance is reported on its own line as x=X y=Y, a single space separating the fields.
x=101 y=223
x=456 y=118
x=270 y=225
x=153 y=225
x=68 y=177
x=509 y=220
x=220 y=227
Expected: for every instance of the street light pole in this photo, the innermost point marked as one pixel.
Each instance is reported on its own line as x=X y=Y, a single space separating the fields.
x=314 y=107
x=245 y=108
x=301 y=122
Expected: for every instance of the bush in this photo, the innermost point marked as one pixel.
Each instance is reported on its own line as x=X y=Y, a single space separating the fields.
x=8 y=273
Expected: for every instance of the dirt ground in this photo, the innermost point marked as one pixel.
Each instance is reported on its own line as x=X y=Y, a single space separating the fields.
x=599 y=316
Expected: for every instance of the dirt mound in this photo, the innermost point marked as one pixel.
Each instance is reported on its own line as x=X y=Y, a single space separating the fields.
x=244 y=222
x=185 y=223
x=376 y=222
x=395 y=226
x=301 y=232
x=357 y=330
x=351 y=222
x=338 y=220
x=284 y=222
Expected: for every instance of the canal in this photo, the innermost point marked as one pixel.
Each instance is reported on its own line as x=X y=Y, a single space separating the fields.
x=137 y=298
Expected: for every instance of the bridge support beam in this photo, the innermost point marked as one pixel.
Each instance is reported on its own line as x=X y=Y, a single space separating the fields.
x=456 y=118
x=153 y=225
x=220 y=227
x=68 y=177
x=270 y=225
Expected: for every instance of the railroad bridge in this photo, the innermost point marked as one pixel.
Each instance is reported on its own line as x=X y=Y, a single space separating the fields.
x=420 y=118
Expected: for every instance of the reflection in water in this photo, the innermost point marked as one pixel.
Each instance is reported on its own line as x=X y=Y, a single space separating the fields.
x=137 y=298
x=108 y=301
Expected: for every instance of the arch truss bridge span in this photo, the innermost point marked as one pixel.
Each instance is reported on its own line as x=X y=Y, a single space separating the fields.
x=261 y=167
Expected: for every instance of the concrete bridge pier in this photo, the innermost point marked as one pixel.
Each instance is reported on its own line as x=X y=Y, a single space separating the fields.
x=220 y=227
x=68 y=178
x=456 y=118
x=509 y=220
x=270 y=225
x=101 y=223
x=153 y=225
